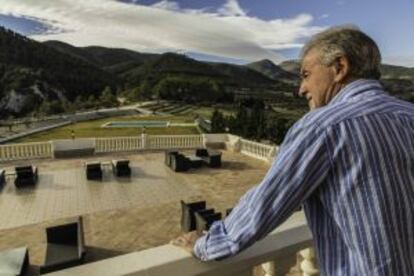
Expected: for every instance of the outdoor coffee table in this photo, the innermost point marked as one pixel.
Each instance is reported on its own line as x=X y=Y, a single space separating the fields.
x=106 y=165
x=195 y=161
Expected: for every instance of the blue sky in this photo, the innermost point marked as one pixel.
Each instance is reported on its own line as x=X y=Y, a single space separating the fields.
x=221 y=30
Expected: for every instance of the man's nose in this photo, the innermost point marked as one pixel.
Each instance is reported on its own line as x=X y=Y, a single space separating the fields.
x=302 y=90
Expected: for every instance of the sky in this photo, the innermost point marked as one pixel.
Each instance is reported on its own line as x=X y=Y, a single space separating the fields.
x=236 y=31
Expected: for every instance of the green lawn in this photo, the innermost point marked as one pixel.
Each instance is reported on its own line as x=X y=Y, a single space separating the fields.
x=94 y=129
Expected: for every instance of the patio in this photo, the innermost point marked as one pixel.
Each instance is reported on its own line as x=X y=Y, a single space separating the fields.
x=120 y=215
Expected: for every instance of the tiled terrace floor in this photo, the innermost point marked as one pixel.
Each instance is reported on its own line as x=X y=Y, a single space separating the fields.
x=120 y=216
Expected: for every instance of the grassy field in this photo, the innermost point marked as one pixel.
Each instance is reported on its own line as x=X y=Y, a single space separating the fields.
x=94 y=129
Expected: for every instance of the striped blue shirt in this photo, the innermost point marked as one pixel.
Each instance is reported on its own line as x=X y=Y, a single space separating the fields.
x=351 y=165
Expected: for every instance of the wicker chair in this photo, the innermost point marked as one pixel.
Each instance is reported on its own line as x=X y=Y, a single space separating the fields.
x=205 y=218
x=188 y=222
x=94 y=171
x=2 y=178
x=65 y=246
x=26 y=176
x=14 y=261
x=180 y=163
x=121 y=168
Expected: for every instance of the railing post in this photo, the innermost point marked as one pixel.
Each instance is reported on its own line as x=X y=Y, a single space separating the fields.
x=144 y=140
x=308 y=264
x=204 y=140
x=52 y=149
x=271 y=154
x=269 y=269
x=237 y=145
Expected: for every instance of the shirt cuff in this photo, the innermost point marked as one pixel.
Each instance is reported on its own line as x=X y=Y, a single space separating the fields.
x=199 y=249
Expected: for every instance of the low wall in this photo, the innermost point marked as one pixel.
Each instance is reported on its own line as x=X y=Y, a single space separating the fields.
x=279 y=247
x=73 y=147
x=90 y=146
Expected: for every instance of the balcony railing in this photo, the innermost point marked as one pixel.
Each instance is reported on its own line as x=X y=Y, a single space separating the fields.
x=135 y=143
x=276 y=253
x=257 y=150
x=174 y=141
x=118 y=144
x=26 y=151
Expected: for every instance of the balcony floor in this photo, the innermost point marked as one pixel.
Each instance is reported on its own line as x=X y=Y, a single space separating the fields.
x=120 y=216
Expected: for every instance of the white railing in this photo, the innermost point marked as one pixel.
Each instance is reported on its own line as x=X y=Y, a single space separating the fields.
x=257 y=150
x=26 y=151
x=174 y=141
x=275 y=253
x=136 y=143
x=152 y=142
x=115 y=144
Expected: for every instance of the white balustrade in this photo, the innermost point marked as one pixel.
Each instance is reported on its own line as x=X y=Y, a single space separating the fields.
x=118 y=144
x=257 y=150
x=174 y=141
x=25 y=151
x=134 y=143
x=308 y=266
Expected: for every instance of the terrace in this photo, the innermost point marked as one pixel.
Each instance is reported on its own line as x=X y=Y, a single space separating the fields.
x=128 y=222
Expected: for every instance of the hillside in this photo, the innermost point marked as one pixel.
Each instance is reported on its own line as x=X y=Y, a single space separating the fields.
x=32 y=73
x=116 y=61
x=176 y=65
x=269 y=69
x=291 y=66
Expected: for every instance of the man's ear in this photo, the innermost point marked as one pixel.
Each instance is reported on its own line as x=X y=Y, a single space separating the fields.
x=341 y=69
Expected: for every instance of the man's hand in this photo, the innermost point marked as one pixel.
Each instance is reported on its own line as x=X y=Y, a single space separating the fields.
x=186 y=241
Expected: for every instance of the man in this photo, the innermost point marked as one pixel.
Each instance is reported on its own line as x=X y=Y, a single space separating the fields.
x=349 y=161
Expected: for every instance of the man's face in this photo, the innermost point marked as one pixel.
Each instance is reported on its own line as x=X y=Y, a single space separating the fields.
x=318 y=80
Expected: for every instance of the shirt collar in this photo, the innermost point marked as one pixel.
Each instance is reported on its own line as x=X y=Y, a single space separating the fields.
x=357 y=88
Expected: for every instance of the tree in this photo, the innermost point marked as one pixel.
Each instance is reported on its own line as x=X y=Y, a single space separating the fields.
x=91 y=102
x=145 y=89
x=50 y=107
x=107 y=98
x=277 y=128
x=218 y=123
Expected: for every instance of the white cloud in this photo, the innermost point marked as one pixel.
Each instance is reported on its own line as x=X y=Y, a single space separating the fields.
x=232 y=8
x=324 y=16
x=166 y=5
x=228 y=32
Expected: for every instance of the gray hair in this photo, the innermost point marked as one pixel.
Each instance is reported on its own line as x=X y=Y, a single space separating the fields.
x=361 y=51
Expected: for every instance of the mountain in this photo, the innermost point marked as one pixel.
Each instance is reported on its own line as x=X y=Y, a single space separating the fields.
x=32 y=73
x=397 y=72
x=133 y=67
x=171 y=64
x=268 y=68
x=112 y=60
x=291 y=66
